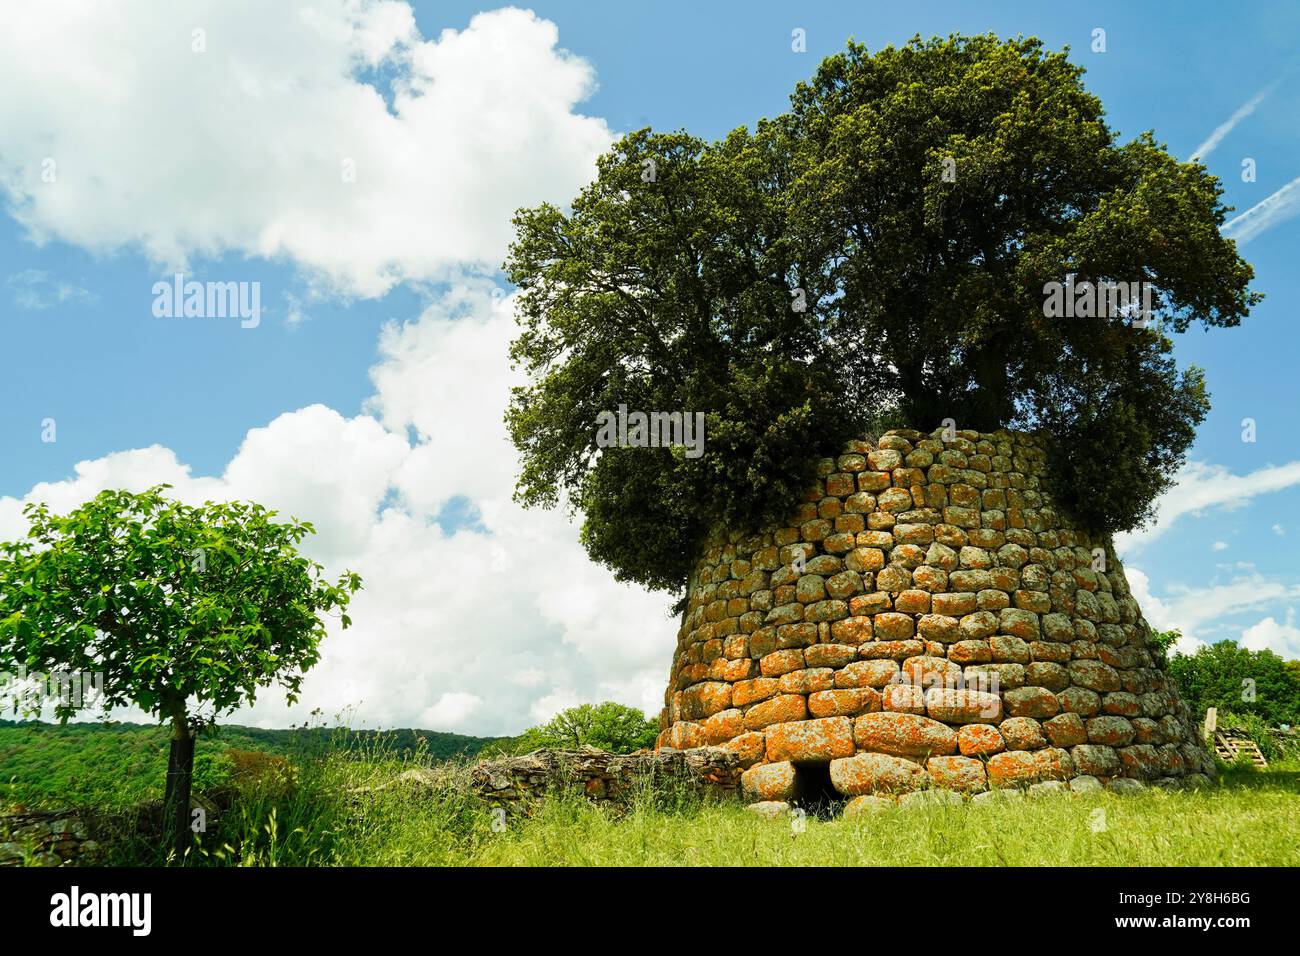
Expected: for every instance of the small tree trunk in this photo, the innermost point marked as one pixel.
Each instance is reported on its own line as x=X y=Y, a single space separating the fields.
x=991 y=407
x=180 y=773
x=920 y=405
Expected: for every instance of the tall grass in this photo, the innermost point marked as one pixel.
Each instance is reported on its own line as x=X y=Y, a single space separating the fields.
x=357 y=802
x=365 y=807
x=1249 y=820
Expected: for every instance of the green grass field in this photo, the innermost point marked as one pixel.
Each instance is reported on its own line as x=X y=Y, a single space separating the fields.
x=1249 y=819
x=346 y=807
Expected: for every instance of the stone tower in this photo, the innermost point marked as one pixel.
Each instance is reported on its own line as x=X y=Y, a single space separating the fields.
x=927 y=621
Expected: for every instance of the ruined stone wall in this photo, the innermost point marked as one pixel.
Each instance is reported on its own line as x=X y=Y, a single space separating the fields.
x=926 y=619
x=46 y=838
x=709 y=772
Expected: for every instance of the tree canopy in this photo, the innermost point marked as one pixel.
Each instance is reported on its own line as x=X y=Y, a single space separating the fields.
x=1238 y=680
x=609 y=726
x=880 y=254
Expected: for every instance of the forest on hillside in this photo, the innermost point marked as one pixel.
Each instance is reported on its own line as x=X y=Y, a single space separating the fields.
x=118 y=764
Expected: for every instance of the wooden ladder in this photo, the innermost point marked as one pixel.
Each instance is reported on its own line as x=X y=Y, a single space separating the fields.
x=1230 y=744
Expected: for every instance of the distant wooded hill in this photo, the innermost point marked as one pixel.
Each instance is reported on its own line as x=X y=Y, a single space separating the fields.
x=118 y=763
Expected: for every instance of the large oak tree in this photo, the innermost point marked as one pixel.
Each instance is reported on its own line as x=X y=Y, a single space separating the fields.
x=879 y=254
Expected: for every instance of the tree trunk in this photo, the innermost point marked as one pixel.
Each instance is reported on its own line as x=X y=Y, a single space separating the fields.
x=180 y=774
x=920 y=406
x=990 y=407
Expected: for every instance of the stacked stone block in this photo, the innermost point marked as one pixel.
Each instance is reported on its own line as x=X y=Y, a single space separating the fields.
x=46 y=838
x=927 y=619
x=708 y=772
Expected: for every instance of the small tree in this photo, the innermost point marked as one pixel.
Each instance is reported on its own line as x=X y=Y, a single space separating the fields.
x=608 y=726
x=184 y=610
x=1160 y=642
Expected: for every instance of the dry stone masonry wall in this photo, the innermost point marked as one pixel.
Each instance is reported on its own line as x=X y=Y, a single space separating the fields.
x=46 y=838
x=927 y=621
x=710 y=772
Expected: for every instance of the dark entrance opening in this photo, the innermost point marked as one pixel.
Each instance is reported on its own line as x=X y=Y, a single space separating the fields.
x=813 y=791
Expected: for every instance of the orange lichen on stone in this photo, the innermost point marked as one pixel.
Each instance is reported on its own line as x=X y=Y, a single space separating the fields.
x=926 y=617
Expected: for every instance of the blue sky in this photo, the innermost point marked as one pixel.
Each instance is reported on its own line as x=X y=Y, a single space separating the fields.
x=382 y=331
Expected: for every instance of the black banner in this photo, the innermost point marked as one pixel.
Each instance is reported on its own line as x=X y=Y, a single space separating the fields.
x=138 y=906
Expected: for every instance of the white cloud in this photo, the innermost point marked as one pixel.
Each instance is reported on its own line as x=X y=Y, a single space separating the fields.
x=1228 y=125
x=281 y=465
x=1219 y=546
x=547 y=707
x=1190 y=610
x=1159 y=615
x=1200 y=486
x=528 y=677
x=1268 y=634
x=36 y=289
x=476 y=631
x=452 y=710
x=243 y=148
x=294 y=312
x=321 y=467
x=1279 y=530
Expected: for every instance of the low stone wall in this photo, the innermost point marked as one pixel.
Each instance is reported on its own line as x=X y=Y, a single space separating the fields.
x=709 y=772
x=47 y=838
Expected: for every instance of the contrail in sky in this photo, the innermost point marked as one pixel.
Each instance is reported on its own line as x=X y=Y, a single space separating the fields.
x=1226 y=127
x=1277 y=208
